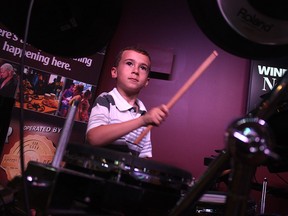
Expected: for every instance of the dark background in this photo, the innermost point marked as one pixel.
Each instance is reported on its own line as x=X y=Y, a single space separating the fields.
x=198 y=121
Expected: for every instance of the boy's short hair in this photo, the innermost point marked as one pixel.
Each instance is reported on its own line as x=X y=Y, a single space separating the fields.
x=134 y=48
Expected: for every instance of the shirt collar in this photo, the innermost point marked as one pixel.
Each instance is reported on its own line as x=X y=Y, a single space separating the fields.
x=122 y=104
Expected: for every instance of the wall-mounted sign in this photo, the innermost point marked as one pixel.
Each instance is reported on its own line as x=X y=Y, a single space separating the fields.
x=263 y=77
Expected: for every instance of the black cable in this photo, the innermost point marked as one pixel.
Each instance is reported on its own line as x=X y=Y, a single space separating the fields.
x=21 y=122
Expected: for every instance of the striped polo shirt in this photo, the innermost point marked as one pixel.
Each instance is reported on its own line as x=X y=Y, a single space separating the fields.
x=110 y=108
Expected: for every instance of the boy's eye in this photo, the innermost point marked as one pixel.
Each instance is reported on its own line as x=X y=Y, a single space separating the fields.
x=129 y=63
x=144 y=68
x=141 y=67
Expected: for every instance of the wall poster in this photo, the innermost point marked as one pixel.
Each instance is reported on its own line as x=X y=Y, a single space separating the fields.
x=49 y=83
x=263 y=77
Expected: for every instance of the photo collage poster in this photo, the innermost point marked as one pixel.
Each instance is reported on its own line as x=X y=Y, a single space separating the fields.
x=47 y=79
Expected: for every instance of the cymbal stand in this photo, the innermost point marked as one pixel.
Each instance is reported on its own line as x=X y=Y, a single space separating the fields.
x=249 y=143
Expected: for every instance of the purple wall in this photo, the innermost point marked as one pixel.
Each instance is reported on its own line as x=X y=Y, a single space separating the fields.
x=197 y=122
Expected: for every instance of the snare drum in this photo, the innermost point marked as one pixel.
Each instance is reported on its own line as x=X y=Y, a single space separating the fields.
x=134 y=186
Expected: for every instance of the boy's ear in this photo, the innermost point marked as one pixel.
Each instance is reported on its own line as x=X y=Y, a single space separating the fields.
x=147 y=81
x=114 y=72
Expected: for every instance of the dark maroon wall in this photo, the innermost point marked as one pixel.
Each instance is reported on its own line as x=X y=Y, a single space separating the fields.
x=197 y=122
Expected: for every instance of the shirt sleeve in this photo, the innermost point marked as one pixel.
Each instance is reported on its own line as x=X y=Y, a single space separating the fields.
x=99 y=116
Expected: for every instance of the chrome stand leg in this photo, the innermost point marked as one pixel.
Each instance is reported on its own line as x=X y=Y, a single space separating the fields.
x=249 y=143
x=263 y=196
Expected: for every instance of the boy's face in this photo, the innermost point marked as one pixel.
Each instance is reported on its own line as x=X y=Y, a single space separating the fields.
x=132 y=72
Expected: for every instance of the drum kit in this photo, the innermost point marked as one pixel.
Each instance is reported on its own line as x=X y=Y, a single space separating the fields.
x=99 y=181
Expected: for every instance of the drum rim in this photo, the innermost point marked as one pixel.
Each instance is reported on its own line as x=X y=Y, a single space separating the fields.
x=130 y=160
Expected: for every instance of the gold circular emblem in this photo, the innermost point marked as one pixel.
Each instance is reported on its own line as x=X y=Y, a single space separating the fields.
x=36 y=148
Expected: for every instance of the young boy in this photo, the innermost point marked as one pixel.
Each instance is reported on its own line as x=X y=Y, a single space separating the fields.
x=118 y=116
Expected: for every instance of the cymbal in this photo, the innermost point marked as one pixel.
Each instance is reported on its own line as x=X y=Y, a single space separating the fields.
x=231 y=26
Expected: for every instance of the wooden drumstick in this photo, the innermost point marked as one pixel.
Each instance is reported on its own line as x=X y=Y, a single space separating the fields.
x=183 y=89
